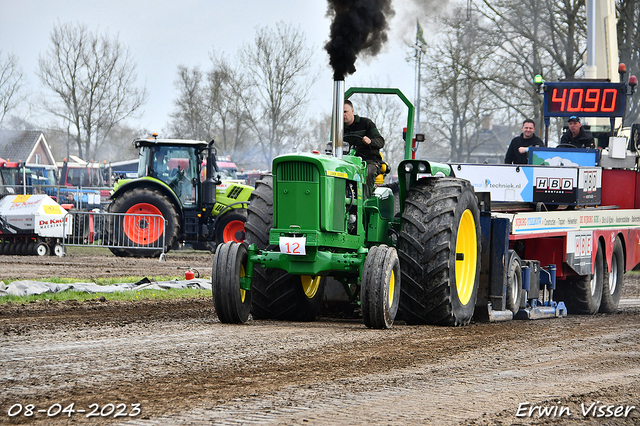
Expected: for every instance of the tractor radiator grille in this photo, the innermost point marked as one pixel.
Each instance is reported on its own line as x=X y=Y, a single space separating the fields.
x=295 y=171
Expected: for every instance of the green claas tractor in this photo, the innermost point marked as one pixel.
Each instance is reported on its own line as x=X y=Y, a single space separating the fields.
x=309 y=221
x=196 y=210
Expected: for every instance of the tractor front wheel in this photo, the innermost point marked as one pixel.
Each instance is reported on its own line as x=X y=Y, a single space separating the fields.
x=230 y=226
x=232 y=303
x=380 y=290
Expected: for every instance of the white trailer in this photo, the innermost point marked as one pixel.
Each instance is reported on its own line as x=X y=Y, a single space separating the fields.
x=32 y=224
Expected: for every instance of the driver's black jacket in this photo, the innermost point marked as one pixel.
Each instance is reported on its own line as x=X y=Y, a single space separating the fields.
x=584 y=139
x=362 y=126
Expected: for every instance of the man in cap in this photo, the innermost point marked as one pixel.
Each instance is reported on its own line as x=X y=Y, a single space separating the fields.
x=576 y=135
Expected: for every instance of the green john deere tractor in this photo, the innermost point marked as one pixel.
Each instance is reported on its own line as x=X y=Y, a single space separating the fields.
x=196 y=210
x=309 y=221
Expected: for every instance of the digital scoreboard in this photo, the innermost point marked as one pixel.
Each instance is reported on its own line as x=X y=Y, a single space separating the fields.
x=584 y=99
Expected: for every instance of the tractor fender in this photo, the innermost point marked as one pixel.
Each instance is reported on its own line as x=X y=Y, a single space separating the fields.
x=149 y=183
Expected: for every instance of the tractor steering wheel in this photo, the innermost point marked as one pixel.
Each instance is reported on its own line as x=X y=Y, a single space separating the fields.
x=352 y=145
x=566 y=145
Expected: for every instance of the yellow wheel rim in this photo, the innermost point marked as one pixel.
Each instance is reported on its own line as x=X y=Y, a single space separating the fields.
x=392 y=287
x=466 y=257
x=310 y=285
x=243 y=292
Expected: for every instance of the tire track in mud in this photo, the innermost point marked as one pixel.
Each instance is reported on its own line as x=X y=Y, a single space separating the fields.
x=455 y=389
x=185 y=367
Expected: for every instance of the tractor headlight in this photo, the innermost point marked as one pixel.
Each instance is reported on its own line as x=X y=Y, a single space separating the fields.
x=422 y=168
x=408 y=167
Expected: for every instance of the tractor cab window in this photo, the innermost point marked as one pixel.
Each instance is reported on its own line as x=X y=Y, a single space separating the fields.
x=174 y=166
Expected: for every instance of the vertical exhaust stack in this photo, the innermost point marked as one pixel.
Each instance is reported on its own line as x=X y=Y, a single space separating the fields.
x=337 y=120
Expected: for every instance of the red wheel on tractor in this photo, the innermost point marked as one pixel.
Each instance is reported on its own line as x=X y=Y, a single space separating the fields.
x=230 y=226
x=142 y=234
x=141 y=229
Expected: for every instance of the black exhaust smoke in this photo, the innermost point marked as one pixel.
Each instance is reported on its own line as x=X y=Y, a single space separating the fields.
x=359 y=26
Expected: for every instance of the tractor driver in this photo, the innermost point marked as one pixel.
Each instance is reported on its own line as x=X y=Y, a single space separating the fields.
x=367 y=147
x=160 y=165
x=576 y=135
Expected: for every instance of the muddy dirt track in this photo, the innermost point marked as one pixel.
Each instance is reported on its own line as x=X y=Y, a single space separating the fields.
x=182 y=366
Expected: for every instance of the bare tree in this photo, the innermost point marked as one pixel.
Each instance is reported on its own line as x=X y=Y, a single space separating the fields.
x=11 y=81
x=456 y=101
x=189 y=118
x=629 y=46
x=227 y=86
x=93 y=78
x=279 y=67
x=531 y=37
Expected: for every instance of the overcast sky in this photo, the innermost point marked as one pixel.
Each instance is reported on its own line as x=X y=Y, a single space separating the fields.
x=163 y=34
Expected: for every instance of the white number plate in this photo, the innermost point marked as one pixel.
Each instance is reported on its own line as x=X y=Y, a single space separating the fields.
x=293 y=245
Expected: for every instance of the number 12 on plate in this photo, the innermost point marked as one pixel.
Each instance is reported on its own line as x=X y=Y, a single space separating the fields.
x=293 y=245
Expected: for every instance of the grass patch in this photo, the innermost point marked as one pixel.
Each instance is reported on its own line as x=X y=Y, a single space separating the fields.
x=129 y=295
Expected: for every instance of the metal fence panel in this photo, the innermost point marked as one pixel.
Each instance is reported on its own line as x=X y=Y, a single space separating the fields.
x=116 y=230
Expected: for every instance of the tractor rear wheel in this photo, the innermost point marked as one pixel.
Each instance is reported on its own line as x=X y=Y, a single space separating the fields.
x=232 y=303
x=439 y=249
x=613 y=280
x=142 y=231
x=583 y=294
x=230 y=226
x=380 y=290
x=275 y=293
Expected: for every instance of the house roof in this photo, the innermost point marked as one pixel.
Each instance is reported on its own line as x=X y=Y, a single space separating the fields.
x=19 y=145
x=494 y=142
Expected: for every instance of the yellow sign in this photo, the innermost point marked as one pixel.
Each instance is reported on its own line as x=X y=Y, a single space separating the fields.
x=21 y=198
x=51 y=209
x=336 y=174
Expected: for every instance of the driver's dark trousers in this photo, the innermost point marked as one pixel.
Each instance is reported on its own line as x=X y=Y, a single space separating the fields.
x=373 y=170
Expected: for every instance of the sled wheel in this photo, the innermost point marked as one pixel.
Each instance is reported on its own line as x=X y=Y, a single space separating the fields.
x=231 y=302
x=42 y=249
x=380 y=290
x=514 y=282
x=583 y=294
x=439 y=250
x=230 y=226
x=613 y=280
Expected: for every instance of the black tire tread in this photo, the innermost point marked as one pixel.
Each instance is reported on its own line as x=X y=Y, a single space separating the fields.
x=426 y=249
x=225 y=284
x=610 y=302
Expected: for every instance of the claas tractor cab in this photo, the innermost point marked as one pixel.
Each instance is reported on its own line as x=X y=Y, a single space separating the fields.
x=309 y=221
x=197 y=208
